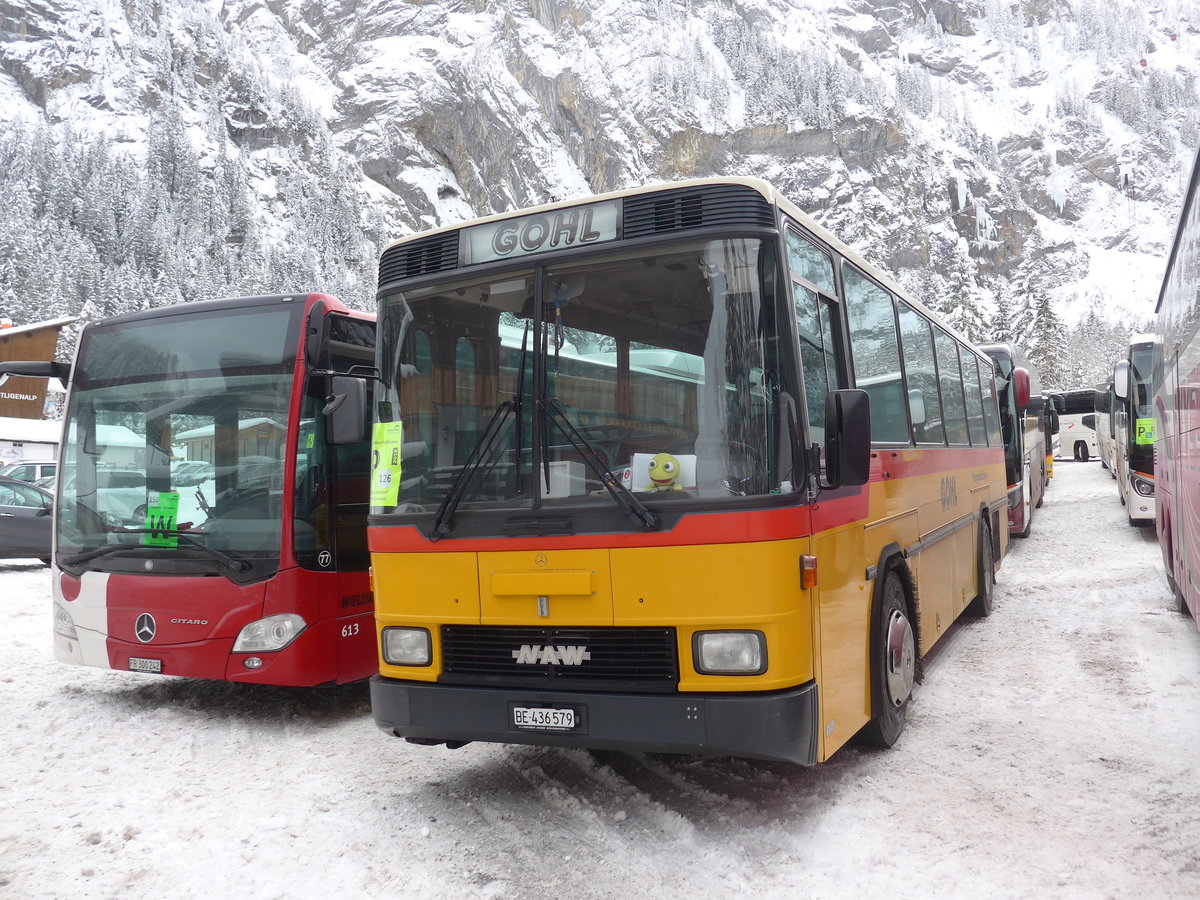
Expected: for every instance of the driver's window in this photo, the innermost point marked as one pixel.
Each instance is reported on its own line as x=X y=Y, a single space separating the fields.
x=812 y=276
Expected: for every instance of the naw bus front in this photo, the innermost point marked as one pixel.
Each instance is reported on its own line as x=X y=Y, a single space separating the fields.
x=609 y=442
x=201 y=515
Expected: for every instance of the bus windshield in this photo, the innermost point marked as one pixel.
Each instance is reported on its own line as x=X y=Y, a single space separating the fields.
x=1141 y=399
x=175 y=444
x=1010 y=419
x=658 y=367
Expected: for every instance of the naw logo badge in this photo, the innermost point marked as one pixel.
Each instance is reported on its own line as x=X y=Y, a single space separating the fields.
x=539 y=655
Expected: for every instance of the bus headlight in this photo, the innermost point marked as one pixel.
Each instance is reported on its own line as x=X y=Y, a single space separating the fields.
x=1144 y=486
x=729 y=652
x=269 y=634
x=63 y=623
x=407 y=647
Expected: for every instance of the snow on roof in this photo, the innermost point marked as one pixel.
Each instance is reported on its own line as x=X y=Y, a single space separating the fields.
x=46 y=431
x=36 y=326
x=207 y=430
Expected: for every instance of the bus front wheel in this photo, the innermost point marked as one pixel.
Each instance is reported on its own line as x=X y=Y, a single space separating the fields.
x=893 y=664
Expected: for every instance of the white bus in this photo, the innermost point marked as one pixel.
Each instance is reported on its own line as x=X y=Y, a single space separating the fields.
x=1076 y=436
x=1134 y=414
x=1106 y=431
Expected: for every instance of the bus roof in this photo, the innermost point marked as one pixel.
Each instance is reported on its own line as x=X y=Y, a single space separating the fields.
x=764 y=188
x=200 y=306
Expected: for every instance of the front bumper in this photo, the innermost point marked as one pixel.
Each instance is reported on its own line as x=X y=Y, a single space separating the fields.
x=780 y=725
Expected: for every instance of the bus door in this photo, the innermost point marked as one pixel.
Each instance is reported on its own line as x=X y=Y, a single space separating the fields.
x=838 y=600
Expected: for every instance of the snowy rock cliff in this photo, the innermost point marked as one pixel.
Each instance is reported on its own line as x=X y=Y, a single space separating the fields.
x=974 y=148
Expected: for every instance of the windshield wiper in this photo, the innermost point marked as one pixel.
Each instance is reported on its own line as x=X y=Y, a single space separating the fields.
x=231 y=562
x=443 y=520
x=637 y=511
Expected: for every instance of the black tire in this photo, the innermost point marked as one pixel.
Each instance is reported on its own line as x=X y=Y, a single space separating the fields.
x=1181 y=602
x=981 y=606
x=1081 y=452
x=45 y=560
x=891 y=676
x=1028 y=522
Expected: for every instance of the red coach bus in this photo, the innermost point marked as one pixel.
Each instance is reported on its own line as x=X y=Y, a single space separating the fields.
x=1176 y=433
x=210 y=519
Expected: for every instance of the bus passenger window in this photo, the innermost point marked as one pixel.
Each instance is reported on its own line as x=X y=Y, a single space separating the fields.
x=806 y=261
x=876 y=352
x=952 y=389
x=924 y=399
x=975 y=423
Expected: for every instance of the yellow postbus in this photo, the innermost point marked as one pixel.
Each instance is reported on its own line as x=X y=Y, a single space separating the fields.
x=670 y=469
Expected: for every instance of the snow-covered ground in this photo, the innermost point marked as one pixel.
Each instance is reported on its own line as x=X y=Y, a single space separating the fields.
x=1053 y=749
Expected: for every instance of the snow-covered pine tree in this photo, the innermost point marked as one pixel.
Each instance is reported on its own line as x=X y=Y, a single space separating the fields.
x=1042 y=334
x=963 y=303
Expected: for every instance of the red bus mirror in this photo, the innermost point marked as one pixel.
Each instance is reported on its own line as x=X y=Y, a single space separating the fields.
x=1021 y=386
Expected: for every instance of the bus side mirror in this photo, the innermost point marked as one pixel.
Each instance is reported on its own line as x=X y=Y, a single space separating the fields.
x=916 y=406
x=345 y=411
x=847 y=438
x=316 y=337
x=1020 y=378
x=1121 y=380
x=58 y=370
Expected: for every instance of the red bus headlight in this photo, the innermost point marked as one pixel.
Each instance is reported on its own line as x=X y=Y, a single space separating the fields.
x=269 y=634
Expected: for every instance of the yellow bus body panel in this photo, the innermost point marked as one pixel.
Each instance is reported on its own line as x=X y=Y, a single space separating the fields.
x=822 y=635
x=754 y=586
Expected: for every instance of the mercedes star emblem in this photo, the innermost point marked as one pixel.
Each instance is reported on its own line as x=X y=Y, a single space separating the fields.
x=144 y=628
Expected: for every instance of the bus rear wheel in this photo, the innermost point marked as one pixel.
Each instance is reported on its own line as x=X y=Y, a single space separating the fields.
x=981 y=606
x=893 y=664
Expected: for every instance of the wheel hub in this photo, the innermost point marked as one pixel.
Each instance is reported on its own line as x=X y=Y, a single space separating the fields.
x=901 y=660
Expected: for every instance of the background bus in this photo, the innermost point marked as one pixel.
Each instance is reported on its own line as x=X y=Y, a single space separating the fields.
x=635 y=498
x=1176 y=389
x=1025 y=434
x=1106 y=427
x=1076 y=424
x=204 y=524
x=1134 y=430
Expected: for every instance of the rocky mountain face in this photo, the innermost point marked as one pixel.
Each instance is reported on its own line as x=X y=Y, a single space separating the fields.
x=973 y=147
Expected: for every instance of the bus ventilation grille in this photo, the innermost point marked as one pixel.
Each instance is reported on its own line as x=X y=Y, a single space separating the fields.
x=701 y=207
x=432 y=254
x=599 y=659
